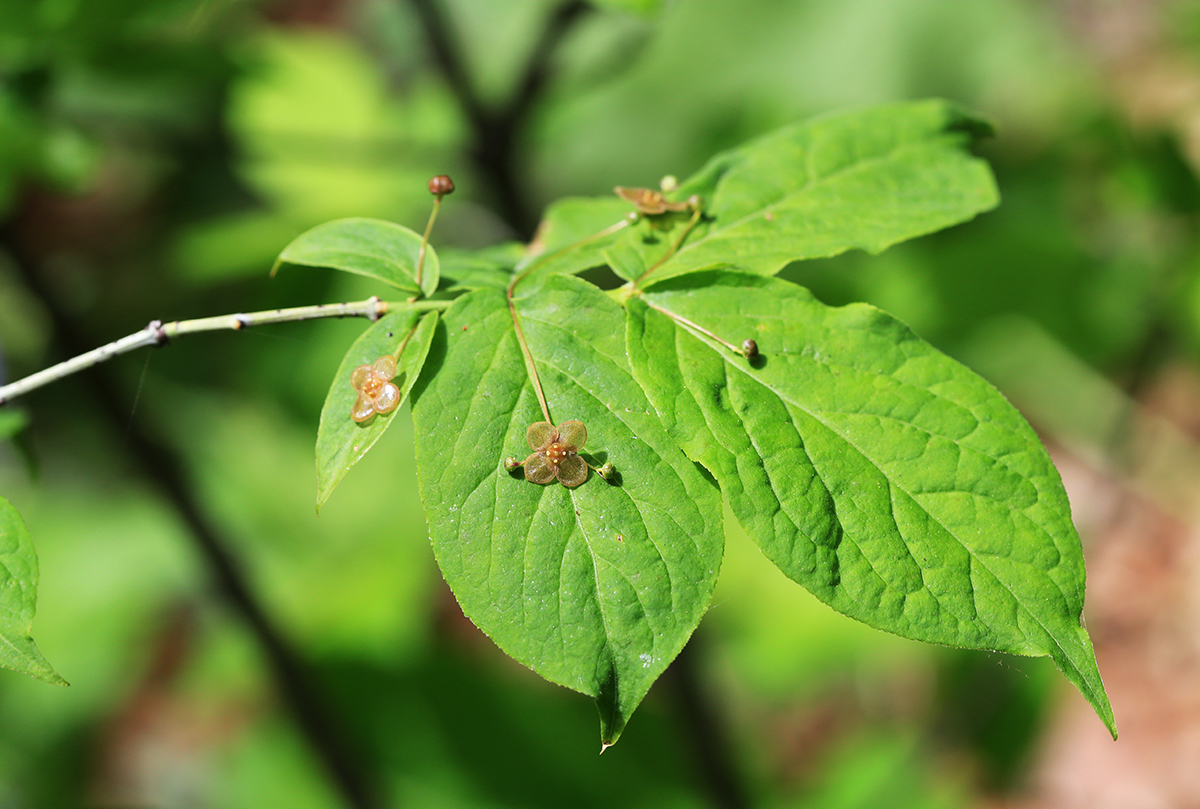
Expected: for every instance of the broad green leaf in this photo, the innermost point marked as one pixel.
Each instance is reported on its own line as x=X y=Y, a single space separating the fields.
x=18 y=599
x=382 y=250
x=891 y=481
x=342 y=442
x=472 y=269
x=865 y=179
x=574 y=232
x=597 y=587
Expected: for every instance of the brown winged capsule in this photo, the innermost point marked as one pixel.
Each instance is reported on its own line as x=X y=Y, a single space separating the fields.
x=651 y=202
x=556 y=453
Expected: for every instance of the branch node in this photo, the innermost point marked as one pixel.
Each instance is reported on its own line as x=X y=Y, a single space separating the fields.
x=374 y=310
x=156 y=328
x=240 y=321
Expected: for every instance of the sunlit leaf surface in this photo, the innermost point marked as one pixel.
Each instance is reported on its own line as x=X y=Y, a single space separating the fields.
x=596 y=587
x=895 y=484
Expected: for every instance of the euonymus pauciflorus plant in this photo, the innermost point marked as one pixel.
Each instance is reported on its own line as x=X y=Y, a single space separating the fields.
x=892 y=482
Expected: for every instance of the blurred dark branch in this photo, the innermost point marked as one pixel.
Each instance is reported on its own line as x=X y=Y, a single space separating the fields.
x=161 y=466
x=703 y=730
x=494 y=147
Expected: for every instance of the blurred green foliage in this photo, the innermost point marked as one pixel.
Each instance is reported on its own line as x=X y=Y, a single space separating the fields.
x=156 y=154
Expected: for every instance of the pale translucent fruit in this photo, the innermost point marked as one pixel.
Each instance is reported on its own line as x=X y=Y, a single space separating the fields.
x=556 y=453
x=376 y=392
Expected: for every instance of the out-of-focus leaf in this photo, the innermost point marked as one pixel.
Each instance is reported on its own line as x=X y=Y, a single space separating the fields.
x=18 y=599
x=642 y=8
x=12 y=421
x=895 y=484
x=596 y=587
x=341 y=442
x=371 y=247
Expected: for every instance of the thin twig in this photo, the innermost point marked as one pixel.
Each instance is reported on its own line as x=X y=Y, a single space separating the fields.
x=158 y=333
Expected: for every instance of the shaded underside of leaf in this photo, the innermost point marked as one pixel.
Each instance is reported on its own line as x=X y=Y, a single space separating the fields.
x=597 y=587
x=372 y=247
x=891 y=481
x=342 y=442
x=18 y=599
x=864 y=179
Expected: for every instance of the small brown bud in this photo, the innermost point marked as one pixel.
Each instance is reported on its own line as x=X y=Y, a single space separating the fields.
x=441 y=185
x=749 y=349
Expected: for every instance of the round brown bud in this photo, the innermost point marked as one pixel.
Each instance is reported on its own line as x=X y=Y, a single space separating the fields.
x=441 y=185
x=511 y=463
x=749 y=349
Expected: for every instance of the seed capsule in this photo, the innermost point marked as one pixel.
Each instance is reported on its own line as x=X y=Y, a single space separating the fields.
x=749 y=349
x=441 y=185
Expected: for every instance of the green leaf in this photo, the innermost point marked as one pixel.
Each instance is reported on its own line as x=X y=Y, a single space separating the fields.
x=18 y=599
x=472 y=269
x=341 y=442
x=574 y=232
x=382 y=250
x=896 y=485
x=597 y=587
x=865 y=179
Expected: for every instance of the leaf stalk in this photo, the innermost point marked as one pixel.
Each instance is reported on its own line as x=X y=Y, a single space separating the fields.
x=696 y=327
